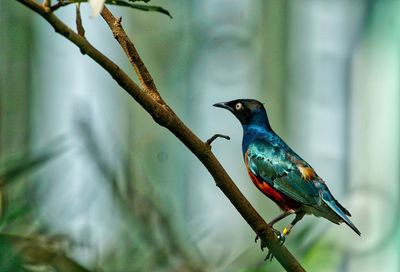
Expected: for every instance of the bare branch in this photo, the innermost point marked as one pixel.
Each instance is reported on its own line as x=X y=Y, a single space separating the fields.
x=143 y=74
x=79 y=25
x=165 y=117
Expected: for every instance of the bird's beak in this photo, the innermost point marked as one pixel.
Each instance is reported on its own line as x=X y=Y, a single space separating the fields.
x=222 y=105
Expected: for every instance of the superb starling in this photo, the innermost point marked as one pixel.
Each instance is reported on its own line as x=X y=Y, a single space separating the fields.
x=281 y=174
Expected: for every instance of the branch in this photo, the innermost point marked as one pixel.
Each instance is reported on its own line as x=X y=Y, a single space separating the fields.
x=78 y=21
x=213 y=138
x=143 y=74
x=46 y=4
x=165 y=117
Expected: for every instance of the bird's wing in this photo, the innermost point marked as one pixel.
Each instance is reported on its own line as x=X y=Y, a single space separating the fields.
x=287 y=173
x=283 y=171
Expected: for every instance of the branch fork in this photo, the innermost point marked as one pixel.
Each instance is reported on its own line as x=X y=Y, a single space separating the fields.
x=126 y=44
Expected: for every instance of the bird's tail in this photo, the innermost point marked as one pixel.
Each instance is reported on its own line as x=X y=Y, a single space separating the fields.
x=338 y=210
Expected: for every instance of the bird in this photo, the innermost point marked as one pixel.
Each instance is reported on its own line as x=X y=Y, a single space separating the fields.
x=279 y=173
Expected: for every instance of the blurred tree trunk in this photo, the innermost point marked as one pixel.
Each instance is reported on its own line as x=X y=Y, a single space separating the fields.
x=275 y=23
x=322 y=37
x=15 y=60
x=226 y=64
x=375 y=148
x=61 y=104
x=15 y=87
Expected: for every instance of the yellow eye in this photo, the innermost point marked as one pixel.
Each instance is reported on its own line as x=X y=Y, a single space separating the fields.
x=238 y=106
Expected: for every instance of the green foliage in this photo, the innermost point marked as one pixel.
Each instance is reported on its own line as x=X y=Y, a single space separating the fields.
x=139 y=6
x=150 y=232
x=17 y=251
x=14 y=168
x=125 y=3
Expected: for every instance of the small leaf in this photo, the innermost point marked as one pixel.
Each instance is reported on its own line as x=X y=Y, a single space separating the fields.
x=146 y=1
x=26 y=162
x=139 y=6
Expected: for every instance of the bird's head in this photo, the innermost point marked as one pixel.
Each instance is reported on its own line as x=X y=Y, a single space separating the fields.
x=248 y=111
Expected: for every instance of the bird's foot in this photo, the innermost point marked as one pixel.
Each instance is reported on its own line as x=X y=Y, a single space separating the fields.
x=263 y=244
x=269 y=256
x=281 y=237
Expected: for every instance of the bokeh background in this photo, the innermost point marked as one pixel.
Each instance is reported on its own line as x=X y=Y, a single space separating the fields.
x=87 y=175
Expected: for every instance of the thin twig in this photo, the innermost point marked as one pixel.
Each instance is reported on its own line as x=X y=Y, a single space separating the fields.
x=143 y=74
x=167 y=118
x=78 y=20
x=59 y=4
x=212 y=139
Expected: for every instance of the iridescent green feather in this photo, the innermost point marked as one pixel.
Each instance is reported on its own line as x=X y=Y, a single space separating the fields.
x=271 y=164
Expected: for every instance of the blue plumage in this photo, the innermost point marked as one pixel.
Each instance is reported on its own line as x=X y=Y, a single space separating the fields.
x=279 y=172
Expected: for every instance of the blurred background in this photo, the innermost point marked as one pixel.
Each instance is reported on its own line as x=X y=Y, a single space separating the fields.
x=89 y=182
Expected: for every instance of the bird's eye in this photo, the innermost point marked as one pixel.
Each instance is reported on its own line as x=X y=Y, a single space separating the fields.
x=239 y=106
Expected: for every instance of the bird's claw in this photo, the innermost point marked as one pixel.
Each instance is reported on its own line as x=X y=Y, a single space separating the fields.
x=263 y=244
x=269 y=256
x=281 y=237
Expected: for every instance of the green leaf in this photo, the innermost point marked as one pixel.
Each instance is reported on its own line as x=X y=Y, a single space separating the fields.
x=26 y=162
x=126 y=3
x=146 y=1
x=139 y=6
